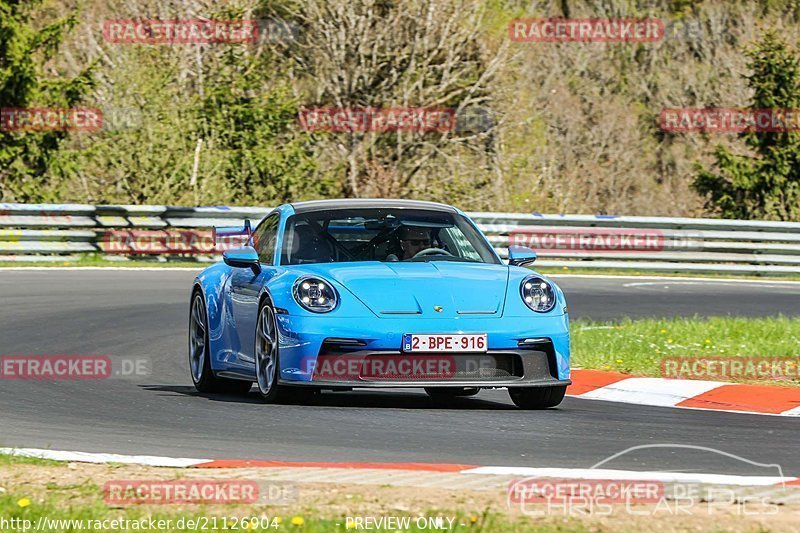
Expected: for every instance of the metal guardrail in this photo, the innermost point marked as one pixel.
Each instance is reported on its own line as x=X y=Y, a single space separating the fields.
x=50 y=232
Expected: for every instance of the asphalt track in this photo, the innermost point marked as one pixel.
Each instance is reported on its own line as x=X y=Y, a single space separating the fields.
x=142 y=314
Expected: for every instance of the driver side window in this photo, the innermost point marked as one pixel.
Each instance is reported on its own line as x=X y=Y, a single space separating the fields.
x=264 y=238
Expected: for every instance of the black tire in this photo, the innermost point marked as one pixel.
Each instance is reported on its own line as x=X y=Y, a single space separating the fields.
x=199 y=358
x=266 y=353
x=269 y=390
x=451 y=392
x=537 y=397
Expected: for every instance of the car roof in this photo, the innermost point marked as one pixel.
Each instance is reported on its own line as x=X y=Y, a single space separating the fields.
x=354 y=203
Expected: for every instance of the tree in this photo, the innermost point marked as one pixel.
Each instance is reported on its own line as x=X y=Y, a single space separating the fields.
x=405 y=54
x=217 y=123
x=766 y=183
x=25 y=156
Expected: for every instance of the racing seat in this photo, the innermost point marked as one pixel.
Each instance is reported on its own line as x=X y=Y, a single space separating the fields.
x=310 y=247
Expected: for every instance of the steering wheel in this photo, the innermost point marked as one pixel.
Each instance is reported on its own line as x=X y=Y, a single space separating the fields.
x=431 y=251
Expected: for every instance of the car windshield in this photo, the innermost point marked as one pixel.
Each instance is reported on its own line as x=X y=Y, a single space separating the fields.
x=410 y=235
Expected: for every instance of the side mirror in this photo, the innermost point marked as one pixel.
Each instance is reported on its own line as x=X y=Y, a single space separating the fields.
x=520 y=256
x=244 y=257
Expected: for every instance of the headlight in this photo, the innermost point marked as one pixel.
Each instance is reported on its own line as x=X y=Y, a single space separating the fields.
x=537 y=294
x=315 y=295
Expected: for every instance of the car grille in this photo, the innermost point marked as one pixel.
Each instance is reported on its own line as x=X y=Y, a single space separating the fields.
x=441 y=367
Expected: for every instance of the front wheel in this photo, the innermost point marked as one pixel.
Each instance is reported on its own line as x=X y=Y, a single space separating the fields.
x=267 y=359
x=537 y=397
x=199 y=359
x=266 y=353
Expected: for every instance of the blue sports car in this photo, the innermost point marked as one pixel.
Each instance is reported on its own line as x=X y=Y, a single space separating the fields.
x=343 y=294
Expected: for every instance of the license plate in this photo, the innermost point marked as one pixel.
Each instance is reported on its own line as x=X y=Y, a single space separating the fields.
x=475 y=342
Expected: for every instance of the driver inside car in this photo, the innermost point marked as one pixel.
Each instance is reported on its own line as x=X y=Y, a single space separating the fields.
x=413 y=240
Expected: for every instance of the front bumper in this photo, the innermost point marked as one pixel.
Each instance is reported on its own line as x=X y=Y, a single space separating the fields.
x=542 y=361
x=419 y=384
x=508 y=368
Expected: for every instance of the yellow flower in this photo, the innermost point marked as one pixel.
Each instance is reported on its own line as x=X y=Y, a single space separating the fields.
x=473 y=519
x=619 y=360
x=278 y=519
x=24 y=502
x=708 y=341
x=669 y=340
x=663 y=331
x=350 y=524
x=565 y=268
x=298 y=521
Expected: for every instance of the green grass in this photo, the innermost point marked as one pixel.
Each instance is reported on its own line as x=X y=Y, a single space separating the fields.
x=6 y=459
x=638 y=346
x=60 y=506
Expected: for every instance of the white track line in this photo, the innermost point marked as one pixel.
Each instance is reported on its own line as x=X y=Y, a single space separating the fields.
x=84 y=457
x=629 y=475
x=560 y=473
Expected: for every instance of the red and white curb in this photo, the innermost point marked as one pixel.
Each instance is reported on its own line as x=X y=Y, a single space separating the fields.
x=685 y=393
x=293 y=469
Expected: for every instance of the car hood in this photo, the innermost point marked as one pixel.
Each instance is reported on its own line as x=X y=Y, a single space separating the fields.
x=435 y=289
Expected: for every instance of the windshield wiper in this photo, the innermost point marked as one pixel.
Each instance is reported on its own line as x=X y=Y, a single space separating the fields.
x=442 y=258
